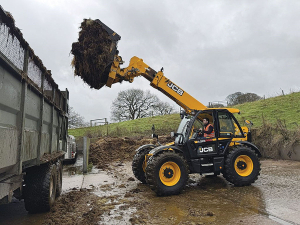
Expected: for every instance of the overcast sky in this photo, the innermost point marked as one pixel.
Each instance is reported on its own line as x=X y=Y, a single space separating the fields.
x=209 y=48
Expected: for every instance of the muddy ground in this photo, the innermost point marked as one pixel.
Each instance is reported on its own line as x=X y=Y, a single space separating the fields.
x=111 y=195
x=110 y=149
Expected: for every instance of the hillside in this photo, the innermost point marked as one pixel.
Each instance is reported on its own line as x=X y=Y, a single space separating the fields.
x=138 y=127
x=285 y=108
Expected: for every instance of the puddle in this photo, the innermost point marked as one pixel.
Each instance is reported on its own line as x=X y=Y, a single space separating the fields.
x=273 y=199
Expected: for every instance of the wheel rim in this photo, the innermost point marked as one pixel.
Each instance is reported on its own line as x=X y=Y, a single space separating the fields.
x=169 y=173
x=243 y=165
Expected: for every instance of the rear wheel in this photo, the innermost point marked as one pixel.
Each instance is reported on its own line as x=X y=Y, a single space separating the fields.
x=40 y=188
x=139 y=164
x=167 y=173
x=242 y=166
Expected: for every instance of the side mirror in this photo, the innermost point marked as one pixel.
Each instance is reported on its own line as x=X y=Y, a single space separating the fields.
x=182 y=114
x=174 y=134
x=248 y=122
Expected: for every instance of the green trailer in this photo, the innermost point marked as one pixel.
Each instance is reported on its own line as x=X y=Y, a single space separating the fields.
x=33 y=123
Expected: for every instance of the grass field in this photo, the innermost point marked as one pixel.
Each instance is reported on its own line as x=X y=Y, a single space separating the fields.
x=285 y=108
x=138 y=127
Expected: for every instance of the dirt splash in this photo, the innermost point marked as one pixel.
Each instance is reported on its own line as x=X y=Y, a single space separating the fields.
x=76 y=207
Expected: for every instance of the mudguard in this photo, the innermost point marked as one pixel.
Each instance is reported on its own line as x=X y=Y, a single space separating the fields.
x=158 y=149
x=251 y=146
x=145 y=146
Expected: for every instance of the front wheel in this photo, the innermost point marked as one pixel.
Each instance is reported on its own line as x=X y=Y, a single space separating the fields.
x=242 y=166
x=167 y=173
x=139 y=164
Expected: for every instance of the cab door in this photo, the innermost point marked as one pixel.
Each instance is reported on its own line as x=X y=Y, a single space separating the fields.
x=228 y=129
x=200 y=146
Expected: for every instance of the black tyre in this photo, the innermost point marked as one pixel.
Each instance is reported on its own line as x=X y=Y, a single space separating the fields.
x=242 y=166
x=138 y=163
x=59 y=168
x=167 y=173
x=40 y=188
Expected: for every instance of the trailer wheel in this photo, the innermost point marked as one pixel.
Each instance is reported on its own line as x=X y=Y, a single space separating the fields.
x=167 y=173
x=242 y=166
x=59 y=167
x=40 y=188
x=139 y=165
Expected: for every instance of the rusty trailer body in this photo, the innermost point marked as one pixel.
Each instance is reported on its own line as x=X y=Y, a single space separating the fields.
x=33 y=113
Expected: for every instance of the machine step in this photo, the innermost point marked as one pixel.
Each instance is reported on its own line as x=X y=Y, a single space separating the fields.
x=208 y=174
x=207 y=164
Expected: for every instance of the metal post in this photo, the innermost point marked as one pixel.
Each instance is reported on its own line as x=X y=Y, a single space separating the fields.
x=86 y=146
x=106 y=122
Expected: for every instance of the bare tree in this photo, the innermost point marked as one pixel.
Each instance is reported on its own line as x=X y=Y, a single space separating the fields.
x=162 y=108
x=239 y=98
x=135 y=103
x=75 y=120
x=233 y=98
x=249 y=97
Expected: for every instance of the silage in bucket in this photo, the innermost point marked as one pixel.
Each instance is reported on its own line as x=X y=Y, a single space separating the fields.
x=94 y=52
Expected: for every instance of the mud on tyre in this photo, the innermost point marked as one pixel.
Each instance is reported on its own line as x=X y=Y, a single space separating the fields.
x=138 y=164
x=242 y=166
x=40 y=188
x=167 y=173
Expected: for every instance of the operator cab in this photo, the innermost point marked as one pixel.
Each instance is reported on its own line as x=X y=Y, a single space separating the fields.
x=207 y=150
x=225 y=128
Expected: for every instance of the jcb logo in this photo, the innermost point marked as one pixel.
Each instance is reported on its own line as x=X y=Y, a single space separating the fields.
x=175 y=88
x=206 y=149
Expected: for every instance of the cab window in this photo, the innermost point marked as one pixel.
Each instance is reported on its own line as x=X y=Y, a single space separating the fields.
x=196 y=126
x=228 y=127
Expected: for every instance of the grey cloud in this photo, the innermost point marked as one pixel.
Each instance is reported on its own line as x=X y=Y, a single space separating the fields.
x=209 y=48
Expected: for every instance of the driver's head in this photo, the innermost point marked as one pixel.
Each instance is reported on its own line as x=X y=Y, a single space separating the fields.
x=205 y=121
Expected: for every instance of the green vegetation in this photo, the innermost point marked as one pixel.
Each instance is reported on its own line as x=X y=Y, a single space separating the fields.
x=285 y=108
x=163 y=124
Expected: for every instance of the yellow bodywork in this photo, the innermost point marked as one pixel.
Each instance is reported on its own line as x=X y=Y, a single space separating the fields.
x=137 y=67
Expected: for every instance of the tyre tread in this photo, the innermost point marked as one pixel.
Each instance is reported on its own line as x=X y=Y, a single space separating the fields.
x=136 y=164
x=230 y=174
x=152 y=178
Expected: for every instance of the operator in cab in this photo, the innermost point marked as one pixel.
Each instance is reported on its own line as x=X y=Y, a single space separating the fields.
x=208 y=130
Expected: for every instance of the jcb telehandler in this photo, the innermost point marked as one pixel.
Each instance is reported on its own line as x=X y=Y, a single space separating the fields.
x=166 y=167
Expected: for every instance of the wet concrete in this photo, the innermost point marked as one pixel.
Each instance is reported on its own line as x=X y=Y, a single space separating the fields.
x=273 y=199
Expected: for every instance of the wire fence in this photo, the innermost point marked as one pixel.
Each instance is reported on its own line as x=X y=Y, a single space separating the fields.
x=15 y=50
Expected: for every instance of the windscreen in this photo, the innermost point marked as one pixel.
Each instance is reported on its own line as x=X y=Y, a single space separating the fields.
x=182 y=129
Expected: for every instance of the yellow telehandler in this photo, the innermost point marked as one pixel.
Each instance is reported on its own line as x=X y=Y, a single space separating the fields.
x=166 y=167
